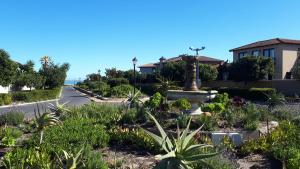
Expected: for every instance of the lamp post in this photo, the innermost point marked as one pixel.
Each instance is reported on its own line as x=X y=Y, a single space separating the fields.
x=99 y=72
x=134 y=61
x=197 y=50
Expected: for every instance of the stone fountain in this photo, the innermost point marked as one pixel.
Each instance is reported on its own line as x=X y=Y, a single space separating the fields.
x=190 y=90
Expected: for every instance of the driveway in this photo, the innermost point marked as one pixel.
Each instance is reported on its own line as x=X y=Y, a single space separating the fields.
x=69 y=96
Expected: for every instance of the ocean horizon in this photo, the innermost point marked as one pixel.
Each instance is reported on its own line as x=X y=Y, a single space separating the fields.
x=71 y=82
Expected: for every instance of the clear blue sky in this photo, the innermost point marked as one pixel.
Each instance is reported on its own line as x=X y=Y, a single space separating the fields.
x=109 y=33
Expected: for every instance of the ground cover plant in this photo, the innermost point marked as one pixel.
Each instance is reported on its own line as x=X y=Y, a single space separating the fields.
x=80 y=136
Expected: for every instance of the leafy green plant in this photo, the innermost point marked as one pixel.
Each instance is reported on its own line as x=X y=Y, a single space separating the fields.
x=134 y=138
x=209 y=121
x=98 y=112
x=155 y=101
x=121 y=90
x=182 y=104
x=251 y=117
x=180 y=152
x=282 y=143
x=273 y=100
x=72 y=135
x=26 y=159
x=182 y=120
x=214 y=107
x=5 y=99
x=8 y=141
x=12 y=118
x=8 y=136
x=129 y=117
x=222 y=98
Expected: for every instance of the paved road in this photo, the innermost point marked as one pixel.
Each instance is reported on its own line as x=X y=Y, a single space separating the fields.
x=69 y=96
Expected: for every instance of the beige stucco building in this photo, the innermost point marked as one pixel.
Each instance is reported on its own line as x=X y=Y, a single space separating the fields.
x=284 y=52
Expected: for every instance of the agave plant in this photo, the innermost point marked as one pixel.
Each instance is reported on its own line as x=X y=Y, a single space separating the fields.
x=44 y=120
x=58 y=109
x=181 y=152
x=132 y=99
x=70 y=161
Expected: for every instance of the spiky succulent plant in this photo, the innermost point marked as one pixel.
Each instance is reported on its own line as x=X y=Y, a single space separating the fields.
x=181 y=152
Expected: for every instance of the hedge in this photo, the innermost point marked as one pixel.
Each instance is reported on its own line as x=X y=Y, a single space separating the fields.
x=5 y=99
x=255 y=94
x=35 y=95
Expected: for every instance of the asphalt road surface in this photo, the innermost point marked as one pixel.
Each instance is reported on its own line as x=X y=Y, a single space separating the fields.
x=69 y=95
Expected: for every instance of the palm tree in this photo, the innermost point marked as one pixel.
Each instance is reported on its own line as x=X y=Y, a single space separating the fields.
x=45 y=61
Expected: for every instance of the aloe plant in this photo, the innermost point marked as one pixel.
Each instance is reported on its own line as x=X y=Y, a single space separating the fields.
x=132 y=99
x=44 y=120
x=58 y=109
x=181 y=152
x=70 y=161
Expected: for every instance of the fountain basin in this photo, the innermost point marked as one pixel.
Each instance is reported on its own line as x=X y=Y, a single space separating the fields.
x=198 y=96
x=195 y=98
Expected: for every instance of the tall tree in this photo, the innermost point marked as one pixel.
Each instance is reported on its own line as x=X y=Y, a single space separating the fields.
x=7 y=69
x=53 y=74
x=251 y=69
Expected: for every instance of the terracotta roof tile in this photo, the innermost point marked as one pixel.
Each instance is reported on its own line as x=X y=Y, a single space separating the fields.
x=267 y=43
x=148 y=65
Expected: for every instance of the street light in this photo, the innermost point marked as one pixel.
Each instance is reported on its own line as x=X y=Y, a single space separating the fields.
x=197 y=63
x=99 y=72
x=134 y=61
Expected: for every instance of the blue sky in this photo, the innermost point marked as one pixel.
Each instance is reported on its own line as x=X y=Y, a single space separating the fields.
x=102 y=34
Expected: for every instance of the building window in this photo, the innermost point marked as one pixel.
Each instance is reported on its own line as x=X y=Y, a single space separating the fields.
x=270 y=53
x=256 y=53
x=242 y=54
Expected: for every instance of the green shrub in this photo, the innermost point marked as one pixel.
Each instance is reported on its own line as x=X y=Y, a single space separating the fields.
x=93 y=160
x=207 y=72
x=121 y=90
x=257 y=94
x=251 y=117
x=210 y=122
x=72 y=135
x=102 y=89
x=117 y=82
x=222 y=98
x=217 y=162
x=182 y=104
x=5 y=99
x=11 y=118
x=41 y=159
x=129 y=117
x=214 y=107
x=107 y=115
x=27 y=158
x=133 y=138
x=36 y=95
x=155 y=101
x=283 y=143
x=8 y=136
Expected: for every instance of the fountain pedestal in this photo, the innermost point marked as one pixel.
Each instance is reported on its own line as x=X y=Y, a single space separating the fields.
x=190 y=90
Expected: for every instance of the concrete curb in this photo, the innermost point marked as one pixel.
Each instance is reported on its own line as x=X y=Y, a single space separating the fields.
x=43 y=101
